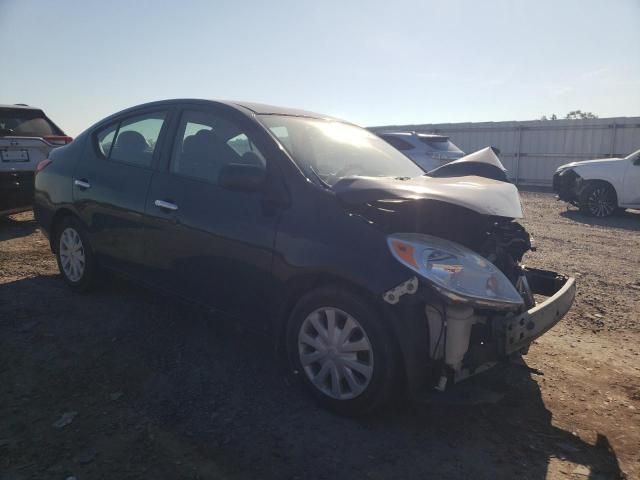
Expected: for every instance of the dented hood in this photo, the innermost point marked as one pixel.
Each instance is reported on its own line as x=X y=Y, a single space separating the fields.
x=480 y=194
x=486 y=155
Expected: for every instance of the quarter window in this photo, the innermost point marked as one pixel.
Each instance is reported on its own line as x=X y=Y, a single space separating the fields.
x=133 y=140
x=207 y=142
x=105 y=139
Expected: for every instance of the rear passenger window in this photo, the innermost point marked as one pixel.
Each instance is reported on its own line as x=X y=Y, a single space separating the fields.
x=133 y=140
x=136 y=139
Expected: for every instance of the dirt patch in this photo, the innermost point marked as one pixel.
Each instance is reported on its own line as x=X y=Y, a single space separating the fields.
x=124 y=383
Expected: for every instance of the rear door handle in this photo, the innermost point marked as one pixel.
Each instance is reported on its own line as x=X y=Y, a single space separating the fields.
x=83 y=184
x=166 y=205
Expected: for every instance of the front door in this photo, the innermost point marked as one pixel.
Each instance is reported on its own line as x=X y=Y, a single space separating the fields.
x=631 y=187
x=208 y=243
x=110 y=186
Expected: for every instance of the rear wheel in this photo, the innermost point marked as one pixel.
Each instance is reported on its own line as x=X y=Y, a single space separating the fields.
x=74 y=255
x=598 y=199
x=340 y=348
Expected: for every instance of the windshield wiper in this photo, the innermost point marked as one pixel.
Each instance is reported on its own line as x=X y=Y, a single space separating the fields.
x=319 y=178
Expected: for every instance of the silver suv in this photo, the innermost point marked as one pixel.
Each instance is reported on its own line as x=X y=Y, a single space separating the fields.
x=428 y=150
x=26 y=138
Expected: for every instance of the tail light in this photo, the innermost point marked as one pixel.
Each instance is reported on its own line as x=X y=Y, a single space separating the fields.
x=42 y=164
x=58 y=139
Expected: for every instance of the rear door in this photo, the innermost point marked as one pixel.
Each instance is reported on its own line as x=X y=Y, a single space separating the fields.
x=208 y=243
x=110 y=186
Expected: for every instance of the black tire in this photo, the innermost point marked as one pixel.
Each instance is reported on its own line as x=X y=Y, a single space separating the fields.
x=598 y=199
x=383 y=380
x=89 y=277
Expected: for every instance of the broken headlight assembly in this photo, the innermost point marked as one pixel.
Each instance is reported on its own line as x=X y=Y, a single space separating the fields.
x=456 y=272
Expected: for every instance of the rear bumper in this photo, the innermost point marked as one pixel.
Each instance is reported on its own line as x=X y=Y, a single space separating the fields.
x=16 y=191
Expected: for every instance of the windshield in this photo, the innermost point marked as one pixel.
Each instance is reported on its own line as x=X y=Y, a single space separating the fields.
x=633 y=155
x=440 y=144
x=329 y=150
x=25 y=123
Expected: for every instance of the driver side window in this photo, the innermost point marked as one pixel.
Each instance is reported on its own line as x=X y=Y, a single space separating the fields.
x=207 y=142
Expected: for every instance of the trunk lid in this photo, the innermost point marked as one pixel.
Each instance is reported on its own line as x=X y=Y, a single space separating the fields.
x=22 y=154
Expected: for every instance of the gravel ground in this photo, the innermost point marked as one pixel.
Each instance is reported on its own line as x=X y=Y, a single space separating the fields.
x=124 y=383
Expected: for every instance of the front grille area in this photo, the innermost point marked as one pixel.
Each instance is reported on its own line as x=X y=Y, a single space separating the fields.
x=565 y=185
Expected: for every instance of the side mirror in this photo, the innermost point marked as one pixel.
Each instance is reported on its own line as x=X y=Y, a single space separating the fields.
x=244 y=178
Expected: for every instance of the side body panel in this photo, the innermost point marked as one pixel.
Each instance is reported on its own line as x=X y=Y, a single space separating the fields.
x=216 y=247
x=631 y=188
x=113 y=207
x=54 y=184
x=611 y=171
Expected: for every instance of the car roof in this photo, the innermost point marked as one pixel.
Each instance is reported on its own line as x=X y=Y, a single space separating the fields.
x=263 y=109
x=255 y=108
x=20 y=106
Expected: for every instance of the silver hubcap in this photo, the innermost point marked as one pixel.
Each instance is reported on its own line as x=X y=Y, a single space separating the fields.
x=335 y=353
x=72 y=254
x=600 y=202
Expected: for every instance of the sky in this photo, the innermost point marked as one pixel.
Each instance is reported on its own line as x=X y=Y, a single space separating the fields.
x=370 y=62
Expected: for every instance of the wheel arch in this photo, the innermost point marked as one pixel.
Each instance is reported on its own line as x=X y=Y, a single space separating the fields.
x=598 y=181
x=60 y=214
x=299 y=286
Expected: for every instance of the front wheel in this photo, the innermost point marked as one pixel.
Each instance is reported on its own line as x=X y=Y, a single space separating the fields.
x=598 y=199
x=74 y=255
x=339 y=346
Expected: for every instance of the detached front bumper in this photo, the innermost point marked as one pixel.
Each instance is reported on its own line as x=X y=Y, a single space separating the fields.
x=460 y=341
x=522 y=329
x=495 y=337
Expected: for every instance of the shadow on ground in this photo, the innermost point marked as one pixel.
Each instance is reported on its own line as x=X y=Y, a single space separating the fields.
x=16 y=227
x=627 y=220
x=162 y=390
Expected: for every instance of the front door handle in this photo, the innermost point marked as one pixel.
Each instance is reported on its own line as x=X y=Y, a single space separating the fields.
x=166 y=205
x=82 y=183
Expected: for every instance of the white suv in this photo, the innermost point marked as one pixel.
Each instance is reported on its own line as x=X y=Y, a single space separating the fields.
x=600 y=187
x=26 y=138
x=428 y=150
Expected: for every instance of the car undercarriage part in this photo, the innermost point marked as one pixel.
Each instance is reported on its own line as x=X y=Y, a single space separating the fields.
x=464 y=341
x=450 y=334
x=393 y=296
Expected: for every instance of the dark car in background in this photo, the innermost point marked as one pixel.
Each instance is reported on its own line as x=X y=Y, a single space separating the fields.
x=27 y=136
x=370 y=276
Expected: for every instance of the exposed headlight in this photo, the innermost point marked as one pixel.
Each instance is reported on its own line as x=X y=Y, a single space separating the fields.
x=455 y=271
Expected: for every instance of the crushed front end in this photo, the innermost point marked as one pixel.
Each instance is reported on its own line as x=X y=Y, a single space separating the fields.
x=471 y=330
x=467 y=301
